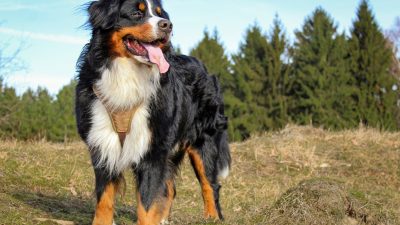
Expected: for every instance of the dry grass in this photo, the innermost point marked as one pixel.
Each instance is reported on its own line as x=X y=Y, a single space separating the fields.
x=361 y=167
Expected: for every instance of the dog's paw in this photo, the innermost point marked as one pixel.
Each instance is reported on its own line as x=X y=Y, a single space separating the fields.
x=164 y=222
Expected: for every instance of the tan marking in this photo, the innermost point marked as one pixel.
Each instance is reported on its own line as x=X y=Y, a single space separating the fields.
x=142 y=6
x=169 y=200
x=105 y=207
x=210 y=209
x=164 y=47
x=159 y=210
x=151 y=217
x=142 y=32
x=158 y=10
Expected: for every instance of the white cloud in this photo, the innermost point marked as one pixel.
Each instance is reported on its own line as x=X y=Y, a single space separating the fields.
x=8 y=6
x=65 y=39
x=37 y=5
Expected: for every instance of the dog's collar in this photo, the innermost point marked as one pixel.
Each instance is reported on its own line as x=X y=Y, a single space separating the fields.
x=121 y=119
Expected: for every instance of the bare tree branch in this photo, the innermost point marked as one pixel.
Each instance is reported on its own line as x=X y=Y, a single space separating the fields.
x=393 y=34
x=10 y=63
x=393 y=42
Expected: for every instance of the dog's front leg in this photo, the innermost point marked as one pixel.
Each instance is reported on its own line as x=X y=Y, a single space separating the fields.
x=106 y=189
x=155 y=192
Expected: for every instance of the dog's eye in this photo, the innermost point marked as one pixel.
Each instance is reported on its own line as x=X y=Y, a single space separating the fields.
x=137 y=14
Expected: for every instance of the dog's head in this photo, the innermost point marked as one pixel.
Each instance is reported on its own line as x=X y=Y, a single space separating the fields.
x=139 y=29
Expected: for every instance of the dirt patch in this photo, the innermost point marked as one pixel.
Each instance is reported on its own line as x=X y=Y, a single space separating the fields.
x=318 y=201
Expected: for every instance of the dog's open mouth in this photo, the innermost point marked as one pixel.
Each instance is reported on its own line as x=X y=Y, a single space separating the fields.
x=151 y=51
x=139 y=48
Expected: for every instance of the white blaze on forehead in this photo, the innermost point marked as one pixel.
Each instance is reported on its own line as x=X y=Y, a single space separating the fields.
x=153 y=20
x=150 y=7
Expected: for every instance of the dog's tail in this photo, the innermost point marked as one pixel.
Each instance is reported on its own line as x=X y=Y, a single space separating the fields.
x=224 y=155
x=221 y=137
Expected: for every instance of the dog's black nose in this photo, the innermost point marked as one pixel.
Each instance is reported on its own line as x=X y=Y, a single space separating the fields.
x=165 y=26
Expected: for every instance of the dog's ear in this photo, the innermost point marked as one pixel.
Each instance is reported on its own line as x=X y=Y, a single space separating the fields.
x=103 y=14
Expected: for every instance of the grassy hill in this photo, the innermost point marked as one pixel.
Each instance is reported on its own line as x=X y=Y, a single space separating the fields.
x=300 y=175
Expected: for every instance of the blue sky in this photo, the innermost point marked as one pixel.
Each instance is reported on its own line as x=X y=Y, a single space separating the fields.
x=51 y=38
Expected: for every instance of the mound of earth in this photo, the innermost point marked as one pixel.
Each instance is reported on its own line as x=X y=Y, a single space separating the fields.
x=318 y=201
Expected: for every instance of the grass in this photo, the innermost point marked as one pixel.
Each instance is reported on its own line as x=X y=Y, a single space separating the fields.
x=294 y=176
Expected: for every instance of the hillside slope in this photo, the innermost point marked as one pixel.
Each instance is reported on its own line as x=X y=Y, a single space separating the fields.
x=43 y=182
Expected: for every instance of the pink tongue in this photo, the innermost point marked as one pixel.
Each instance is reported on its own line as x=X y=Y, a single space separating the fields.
x=157 y=57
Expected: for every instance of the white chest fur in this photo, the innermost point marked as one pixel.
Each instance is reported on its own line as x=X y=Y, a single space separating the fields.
x=124 y=85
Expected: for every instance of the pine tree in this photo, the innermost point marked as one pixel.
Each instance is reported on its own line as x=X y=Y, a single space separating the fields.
x=278 y=83
x=36 y=115
x=322 y=84
x=9 y=104
x=370 y=65
x=211 y=52
x=26 y=116
x=250 y=71
x=64 y=128
x=251 y=64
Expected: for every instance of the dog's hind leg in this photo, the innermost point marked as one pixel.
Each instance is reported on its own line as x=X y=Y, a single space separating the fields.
x=203 y=160
x=106 y=189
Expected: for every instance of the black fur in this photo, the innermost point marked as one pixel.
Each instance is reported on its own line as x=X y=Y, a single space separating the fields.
x=187 y=109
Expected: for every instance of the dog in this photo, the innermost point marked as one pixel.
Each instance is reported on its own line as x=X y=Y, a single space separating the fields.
x=141 y=106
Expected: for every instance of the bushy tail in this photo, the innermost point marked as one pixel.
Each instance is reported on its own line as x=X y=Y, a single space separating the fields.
x=224 y=155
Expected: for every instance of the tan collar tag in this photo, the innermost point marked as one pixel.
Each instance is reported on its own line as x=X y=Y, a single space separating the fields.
x=121 y=120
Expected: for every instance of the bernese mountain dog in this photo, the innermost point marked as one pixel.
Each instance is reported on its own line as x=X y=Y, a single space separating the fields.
x=141 y=106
